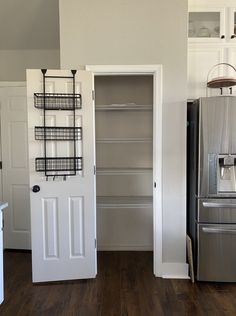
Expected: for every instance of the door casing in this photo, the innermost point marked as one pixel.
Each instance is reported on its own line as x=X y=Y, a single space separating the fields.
x=16 y=232
x=156 y=72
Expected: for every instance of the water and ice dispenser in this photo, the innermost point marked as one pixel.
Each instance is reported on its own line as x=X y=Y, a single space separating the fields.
x=226 y=173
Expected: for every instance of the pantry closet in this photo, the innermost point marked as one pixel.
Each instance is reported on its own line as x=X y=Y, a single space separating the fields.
x=124 y=160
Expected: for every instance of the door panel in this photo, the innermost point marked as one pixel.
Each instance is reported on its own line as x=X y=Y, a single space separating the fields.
x=216 y=253
x=63 y=212
x=76 y=214
x=231 y=125
x=1 y=259
x=15 y=177
x=215 y=138
x=219 y=211
x=50 y=224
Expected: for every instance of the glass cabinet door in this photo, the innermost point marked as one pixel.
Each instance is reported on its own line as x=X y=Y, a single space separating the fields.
x=232 y=26
x=206 y=25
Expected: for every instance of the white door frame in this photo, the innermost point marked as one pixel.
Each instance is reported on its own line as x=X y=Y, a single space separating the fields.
x=156 y=71
x=6 y=84
x=9 y=85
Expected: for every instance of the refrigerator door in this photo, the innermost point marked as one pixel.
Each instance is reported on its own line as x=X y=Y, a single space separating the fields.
x=218 y=211
x=216 y=253
x=231 y=125
x=216 y=145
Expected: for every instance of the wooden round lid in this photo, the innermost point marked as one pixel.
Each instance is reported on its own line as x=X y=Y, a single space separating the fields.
x=221 y=82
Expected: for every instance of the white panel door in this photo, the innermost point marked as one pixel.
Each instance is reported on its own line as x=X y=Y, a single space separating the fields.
x=63 y=211
x=1 y=260
x=15 y=177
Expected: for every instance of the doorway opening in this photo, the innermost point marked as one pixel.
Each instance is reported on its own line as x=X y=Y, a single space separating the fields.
x=124 y=151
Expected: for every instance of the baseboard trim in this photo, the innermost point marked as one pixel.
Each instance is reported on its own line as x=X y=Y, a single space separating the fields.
x=17 y=250
x=173 y=270
x=125 y=248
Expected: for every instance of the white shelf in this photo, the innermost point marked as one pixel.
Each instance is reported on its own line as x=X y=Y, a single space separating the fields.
x=122 y=171
x=123 y=107
x=124 y=201
x=110 y=140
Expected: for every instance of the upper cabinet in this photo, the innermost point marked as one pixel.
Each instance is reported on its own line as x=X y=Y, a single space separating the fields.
x=232 y=24
x=206 y=24
x=210 y=24
x=211 y=40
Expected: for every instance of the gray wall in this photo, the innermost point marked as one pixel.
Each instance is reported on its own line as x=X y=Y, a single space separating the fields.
x=141 y=32
x=29 y=37
x=13 y=63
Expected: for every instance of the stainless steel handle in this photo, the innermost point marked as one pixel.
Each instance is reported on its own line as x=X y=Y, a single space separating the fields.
x=216 y=204
x=211 y=230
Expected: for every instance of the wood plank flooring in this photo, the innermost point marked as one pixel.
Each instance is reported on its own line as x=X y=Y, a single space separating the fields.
x=125 y=286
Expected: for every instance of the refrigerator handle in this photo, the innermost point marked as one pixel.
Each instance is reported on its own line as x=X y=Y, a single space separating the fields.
x=211 y=230
x=216 y=204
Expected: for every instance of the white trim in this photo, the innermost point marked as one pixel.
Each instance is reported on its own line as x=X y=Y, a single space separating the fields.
x=6 y=84
x=101 y=70
x=156 y=71
x=175 y=270
x=212 y=3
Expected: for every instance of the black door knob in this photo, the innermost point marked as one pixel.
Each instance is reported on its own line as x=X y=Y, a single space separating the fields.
x=233 y=36
x=222 y=37
x=36 y=188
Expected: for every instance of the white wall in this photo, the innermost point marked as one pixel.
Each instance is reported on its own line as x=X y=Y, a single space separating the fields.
x=13 y=63
x=142 y=32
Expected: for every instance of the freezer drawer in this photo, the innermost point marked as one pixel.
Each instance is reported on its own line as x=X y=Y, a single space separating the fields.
x=216 y=253
x=222 y=211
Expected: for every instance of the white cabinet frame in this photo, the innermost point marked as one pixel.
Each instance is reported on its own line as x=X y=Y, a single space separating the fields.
x=231 y=21
x=156 y=72
x=207 y=9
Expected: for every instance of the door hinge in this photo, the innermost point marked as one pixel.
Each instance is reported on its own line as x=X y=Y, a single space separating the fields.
x=94 y=170
x=95 y=243
x=93 y=94
x=155 y=184
x=0 y=164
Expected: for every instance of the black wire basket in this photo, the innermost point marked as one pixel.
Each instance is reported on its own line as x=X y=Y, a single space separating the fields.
x=57 y=101
x=58 y=166
x=57 y=133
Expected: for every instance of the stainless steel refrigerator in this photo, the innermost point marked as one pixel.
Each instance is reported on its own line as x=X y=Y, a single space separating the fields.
x=211 y=187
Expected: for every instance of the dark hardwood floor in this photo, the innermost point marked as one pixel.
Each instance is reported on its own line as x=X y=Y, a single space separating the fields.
x=125 y=286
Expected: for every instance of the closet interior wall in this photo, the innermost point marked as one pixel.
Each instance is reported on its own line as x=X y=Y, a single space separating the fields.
x=124 y=151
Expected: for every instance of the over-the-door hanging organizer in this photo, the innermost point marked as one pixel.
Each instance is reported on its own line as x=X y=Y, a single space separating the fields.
x=58 y=166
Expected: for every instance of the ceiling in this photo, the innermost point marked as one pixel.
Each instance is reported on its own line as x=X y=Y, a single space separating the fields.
x=29 y=24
